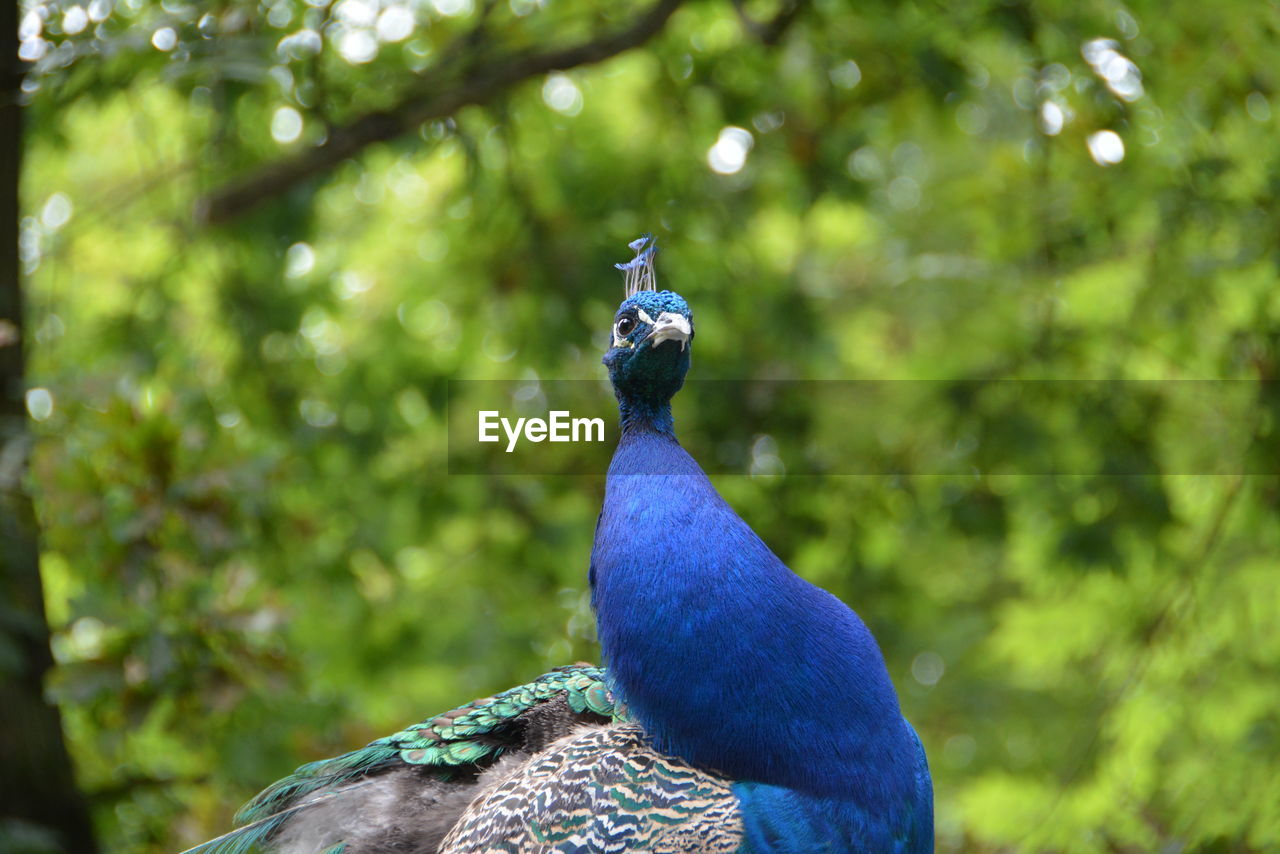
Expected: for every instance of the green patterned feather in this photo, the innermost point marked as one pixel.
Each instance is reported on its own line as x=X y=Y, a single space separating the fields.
x=452 y=745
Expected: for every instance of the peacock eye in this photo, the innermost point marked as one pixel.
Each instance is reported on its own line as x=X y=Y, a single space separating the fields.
x=625 y=325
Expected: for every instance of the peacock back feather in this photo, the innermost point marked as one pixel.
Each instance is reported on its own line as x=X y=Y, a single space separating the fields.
x=602 y=790
x=439 y=761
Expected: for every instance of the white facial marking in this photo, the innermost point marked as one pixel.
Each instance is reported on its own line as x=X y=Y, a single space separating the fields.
x=644 y=315
x=671 y=326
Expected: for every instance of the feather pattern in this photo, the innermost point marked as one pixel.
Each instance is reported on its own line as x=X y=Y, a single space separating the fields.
x=602 y=790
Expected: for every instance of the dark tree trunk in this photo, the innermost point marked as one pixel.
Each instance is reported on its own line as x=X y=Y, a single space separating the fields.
x=40 y=806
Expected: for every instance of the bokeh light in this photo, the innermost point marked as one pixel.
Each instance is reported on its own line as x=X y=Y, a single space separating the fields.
x=286 y=125
x=1106 y=147
x=729 y=153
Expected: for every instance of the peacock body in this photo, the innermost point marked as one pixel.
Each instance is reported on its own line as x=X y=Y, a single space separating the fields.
x=744 y=709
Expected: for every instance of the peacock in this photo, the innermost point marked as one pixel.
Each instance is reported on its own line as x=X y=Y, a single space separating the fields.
x=742 y=709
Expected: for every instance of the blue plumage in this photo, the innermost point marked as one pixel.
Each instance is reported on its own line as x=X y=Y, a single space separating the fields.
x=727 y=658
x=747 y=710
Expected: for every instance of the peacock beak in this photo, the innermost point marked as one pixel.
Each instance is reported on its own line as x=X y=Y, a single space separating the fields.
x=670 y=326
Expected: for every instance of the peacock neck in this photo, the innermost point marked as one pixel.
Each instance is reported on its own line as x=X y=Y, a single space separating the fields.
x=645 y=416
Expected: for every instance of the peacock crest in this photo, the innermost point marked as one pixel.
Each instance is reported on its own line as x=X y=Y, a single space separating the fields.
x=639 y=272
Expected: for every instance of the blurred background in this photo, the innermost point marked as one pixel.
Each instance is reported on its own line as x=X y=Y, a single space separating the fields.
x=257 y=239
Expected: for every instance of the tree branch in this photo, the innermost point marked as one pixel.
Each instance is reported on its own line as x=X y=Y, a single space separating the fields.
x=434 y=99
x=770 y=32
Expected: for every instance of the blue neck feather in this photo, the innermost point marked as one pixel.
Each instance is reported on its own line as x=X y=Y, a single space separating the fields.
x=733 y=662
x=646 y=416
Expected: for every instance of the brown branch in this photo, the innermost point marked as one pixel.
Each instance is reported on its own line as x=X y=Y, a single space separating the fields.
x=770 y=32
x=434 y=99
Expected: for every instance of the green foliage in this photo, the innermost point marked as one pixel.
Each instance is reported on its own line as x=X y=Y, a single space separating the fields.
x=255 y=556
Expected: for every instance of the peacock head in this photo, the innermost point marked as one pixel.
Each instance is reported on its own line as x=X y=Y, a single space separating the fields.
x=652 y=337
